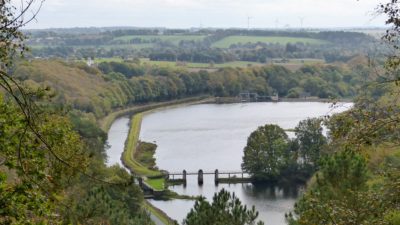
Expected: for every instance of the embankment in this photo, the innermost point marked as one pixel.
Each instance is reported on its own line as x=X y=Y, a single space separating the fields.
x=105 y=123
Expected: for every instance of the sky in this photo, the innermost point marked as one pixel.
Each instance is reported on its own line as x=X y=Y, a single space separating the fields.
x=208 y=13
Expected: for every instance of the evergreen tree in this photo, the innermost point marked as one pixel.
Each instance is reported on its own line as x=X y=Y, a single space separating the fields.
x=226 y=208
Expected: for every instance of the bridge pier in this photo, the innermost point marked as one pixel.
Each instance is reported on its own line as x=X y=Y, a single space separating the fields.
x=184 y=177
x=216 y=181
x=200 y=179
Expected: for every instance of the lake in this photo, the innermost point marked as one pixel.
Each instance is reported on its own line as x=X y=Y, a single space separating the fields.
x=212 y=136
x=117 y=136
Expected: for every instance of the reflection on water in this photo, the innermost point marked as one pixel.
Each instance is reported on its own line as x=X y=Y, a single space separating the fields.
x=212 y=137
x=271 y=201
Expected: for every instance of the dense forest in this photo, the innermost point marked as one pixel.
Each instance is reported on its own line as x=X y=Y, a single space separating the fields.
x=111 y=85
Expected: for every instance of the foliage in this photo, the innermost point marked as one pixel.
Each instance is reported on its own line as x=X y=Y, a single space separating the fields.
x=23 y=204
x=271 y=156
x=310 y=141
x=265 y=154
x=100 y=94
x=339 y=192
x=391 y=10
x=372 y=121
x=109 y=205
x=145 y=154
x=46 y=168
x=341 y=195
x=225 y=209
x=40 y=174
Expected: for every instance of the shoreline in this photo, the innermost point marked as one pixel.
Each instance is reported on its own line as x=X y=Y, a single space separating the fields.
x=235 y=100
x=137 y=113
x=106 y=121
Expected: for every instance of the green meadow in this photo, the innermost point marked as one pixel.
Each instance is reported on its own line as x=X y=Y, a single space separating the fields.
x=228 y=41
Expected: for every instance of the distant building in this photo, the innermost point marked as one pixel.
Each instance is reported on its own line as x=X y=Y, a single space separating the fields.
x=275 y=97
x=90 y=62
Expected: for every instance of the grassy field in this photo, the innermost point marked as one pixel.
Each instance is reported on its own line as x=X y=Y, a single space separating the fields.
x=199 y=65
x=157 y=184
x=128 y=46
x=175 y=39
x=113 y=59
x=228 y=41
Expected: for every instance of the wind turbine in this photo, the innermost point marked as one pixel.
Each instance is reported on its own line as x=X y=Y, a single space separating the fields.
x=302 y=18
x=276 y=23
x=248 y=21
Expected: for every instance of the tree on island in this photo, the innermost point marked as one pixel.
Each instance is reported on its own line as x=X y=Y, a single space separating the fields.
x=271 y=156
x=266 y=153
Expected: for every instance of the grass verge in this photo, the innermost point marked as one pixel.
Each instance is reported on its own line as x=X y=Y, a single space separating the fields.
x=157 y=184
x=130 y=149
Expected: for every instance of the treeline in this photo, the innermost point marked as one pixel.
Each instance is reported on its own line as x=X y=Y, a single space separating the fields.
x=258 y=52
x=111 y=85
x=198 y=55
x=338 y=46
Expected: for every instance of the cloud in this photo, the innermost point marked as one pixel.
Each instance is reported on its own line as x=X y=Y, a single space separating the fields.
x=213 y=13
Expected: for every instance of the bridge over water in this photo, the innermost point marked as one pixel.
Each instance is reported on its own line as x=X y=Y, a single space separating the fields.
x=219 y=176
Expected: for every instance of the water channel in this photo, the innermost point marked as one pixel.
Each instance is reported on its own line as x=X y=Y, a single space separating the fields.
x=211 y=136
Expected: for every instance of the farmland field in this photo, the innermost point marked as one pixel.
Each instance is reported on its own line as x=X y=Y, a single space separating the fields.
x=200 y=65
x=175 y=39
x=228 y=41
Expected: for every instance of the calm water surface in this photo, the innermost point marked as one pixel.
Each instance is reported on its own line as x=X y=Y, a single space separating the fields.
x=117 y=136
x=210 y=137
